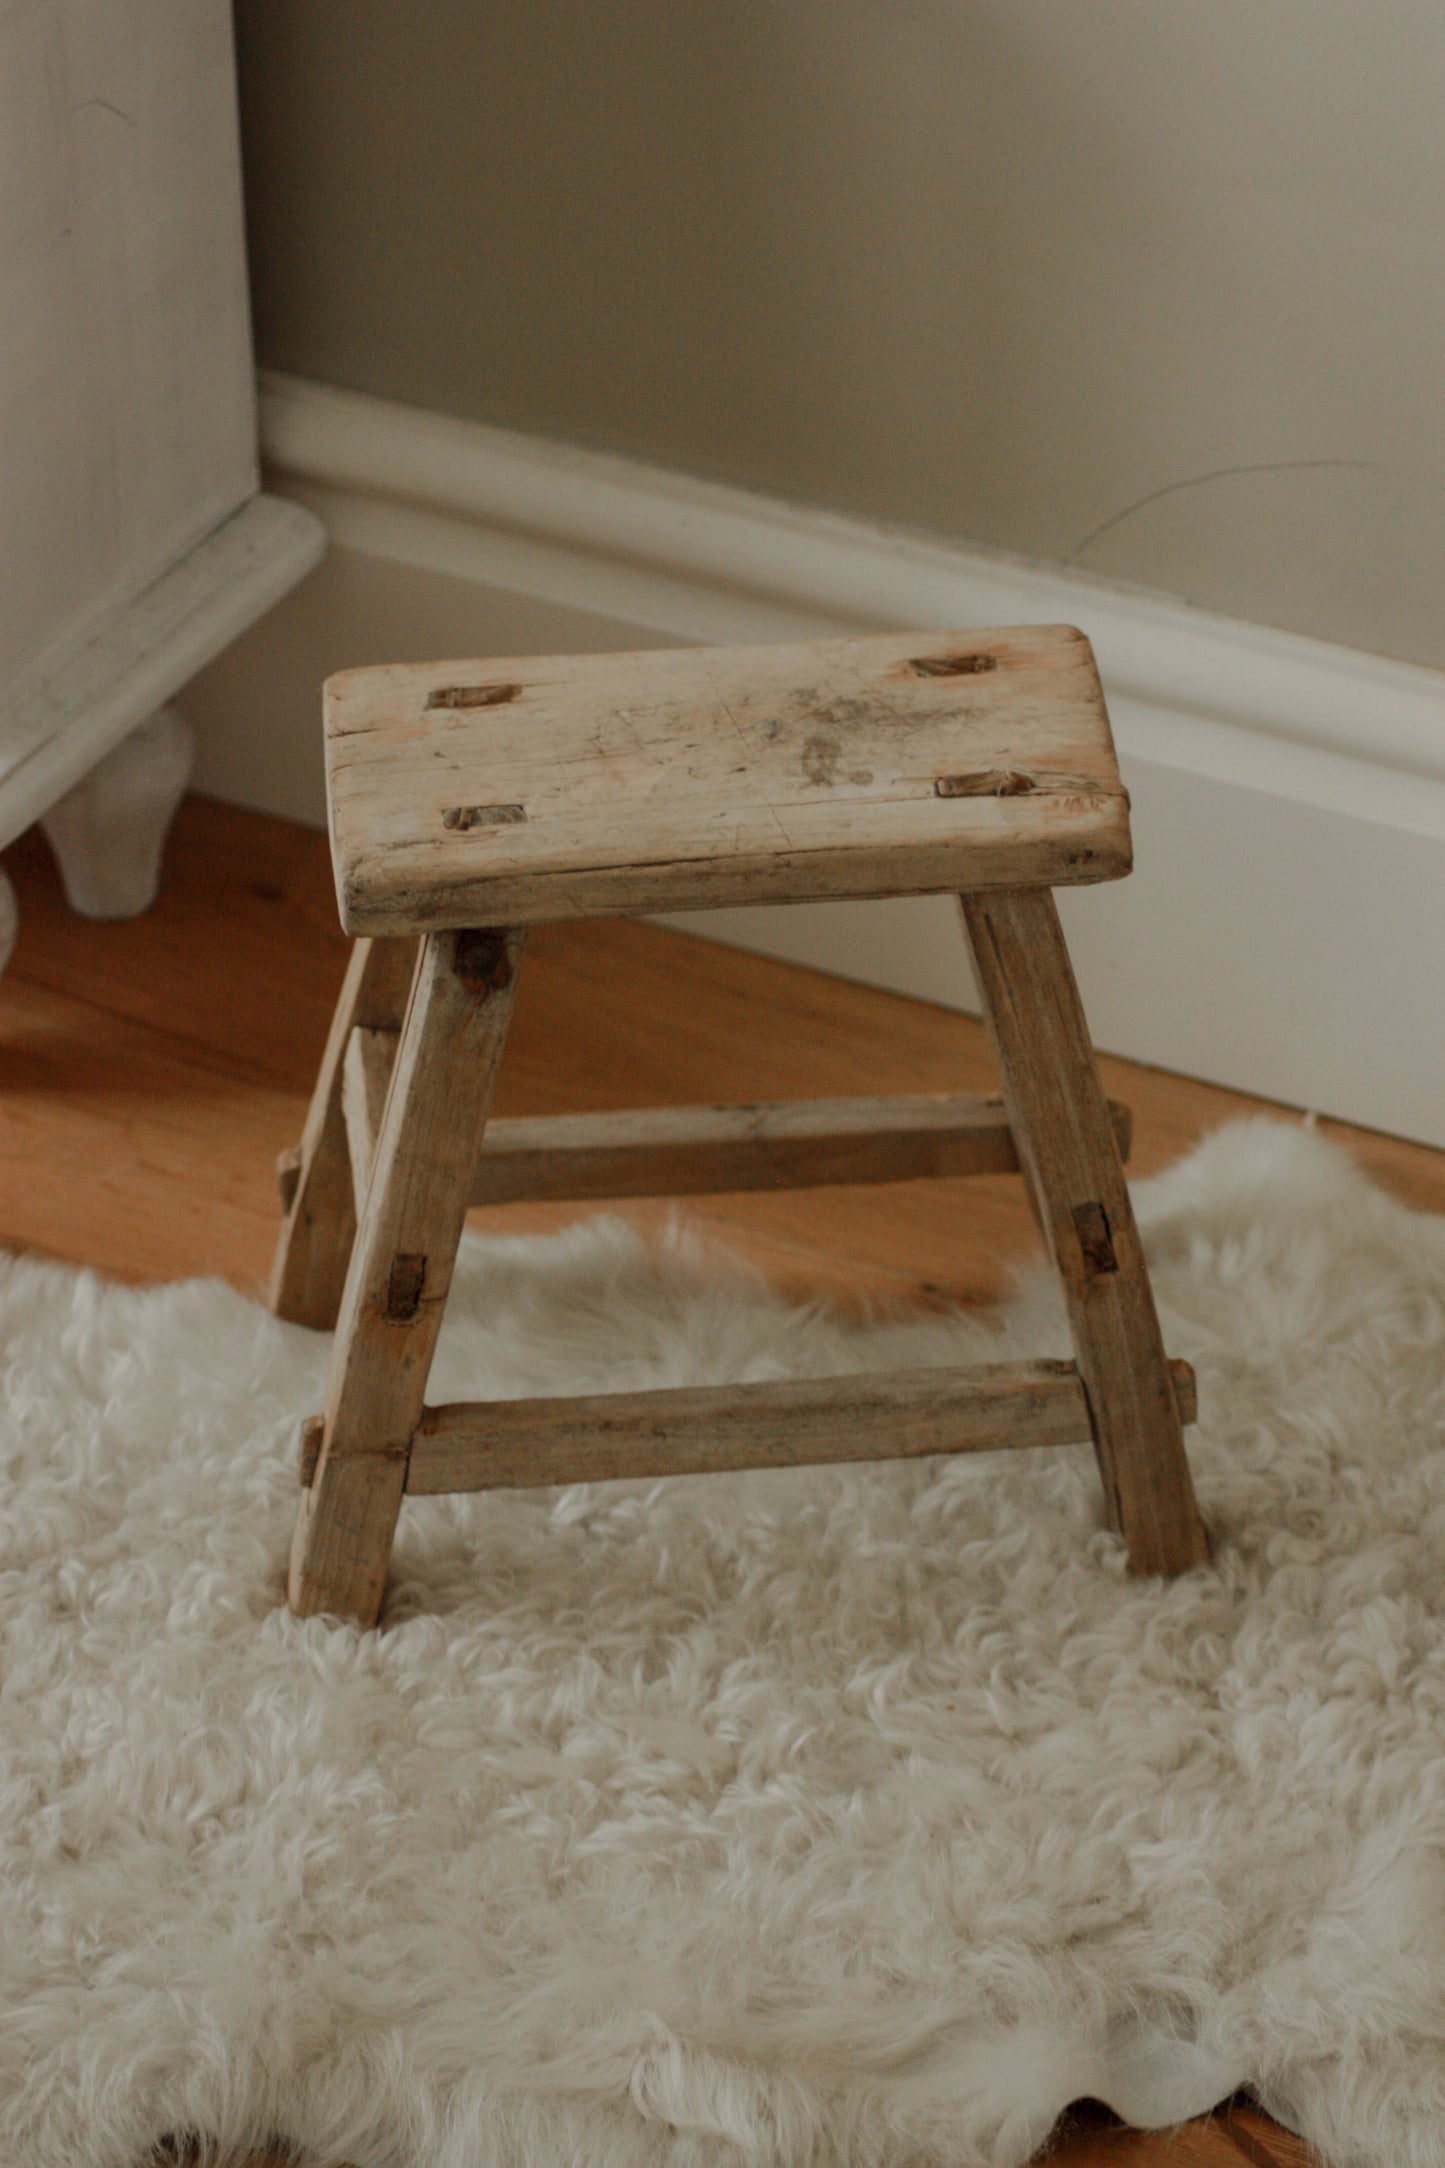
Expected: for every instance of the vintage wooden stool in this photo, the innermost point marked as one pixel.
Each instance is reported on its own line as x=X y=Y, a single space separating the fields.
x=469 y=800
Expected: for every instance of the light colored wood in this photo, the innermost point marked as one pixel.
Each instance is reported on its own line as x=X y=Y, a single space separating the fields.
x=401 y=1268
x=782 y=1144
x=554 y=787
x=783 y=1423
x=309 y=1269
x=708 y=1150
x=365 y=1075
x=1060 y=1121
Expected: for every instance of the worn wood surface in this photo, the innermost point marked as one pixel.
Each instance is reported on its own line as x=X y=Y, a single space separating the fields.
x=401 y=1269
x=709 y=1150
x=717 y=1150
x=554 y=787
x=152 y=1076
x=309 y=1268
x=782 y=1423
x=1061 y=1123
x=365 y=1075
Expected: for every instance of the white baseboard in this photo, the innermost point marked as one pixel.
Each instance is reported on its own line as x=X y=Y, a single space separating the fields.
x=1285 y=929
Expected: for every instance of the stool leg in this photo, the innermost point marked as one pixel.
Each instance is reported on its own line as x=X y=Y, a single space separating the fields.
x=1066 y=1145
x=401 y=1268
x=309 y=1268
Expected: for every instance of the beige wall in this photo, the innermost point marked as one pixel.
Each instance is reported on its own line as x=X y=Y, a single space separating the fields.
x=1152 y=287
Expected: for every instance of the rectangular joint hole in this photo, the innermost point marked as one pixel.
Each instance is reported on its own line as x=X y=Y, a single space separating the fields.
x=986 y=783
x=472 y=696
x=482 y=816
x=952 y=665
x=404 y=1286
x=1091 y=1224
x=309 y=1454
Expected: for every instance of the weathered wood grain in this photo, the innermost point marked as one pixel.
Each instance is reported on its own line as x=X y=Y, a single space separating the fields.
x=555 y=787
x=788 y=1144
x=1060 y=1120
x=309 y=1268
x=401 y=1269
x=784 y=1423
x=709 y=1150
x=365 y=1074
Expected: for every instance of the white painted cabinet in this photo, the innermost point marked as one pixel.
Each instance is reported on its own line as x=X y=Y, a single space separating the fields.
x=133 y=541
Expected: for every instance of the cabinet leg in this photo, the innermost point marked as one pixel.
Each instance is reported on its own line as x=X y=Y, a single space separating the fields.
x=109 y=830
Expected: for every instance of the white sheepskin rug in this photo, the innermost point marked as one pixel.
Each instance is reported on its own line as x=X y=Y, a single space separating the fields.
x=859 y=1816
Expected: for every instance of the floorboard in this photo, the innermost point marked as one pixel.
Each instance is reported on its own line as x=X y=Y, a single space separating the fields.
x=153 y=1070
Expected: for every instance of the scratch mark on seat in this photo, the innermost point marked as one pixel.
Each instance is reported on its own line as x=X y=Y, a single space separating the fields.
x=742 y=735
x=768 y=805
x=781 y=828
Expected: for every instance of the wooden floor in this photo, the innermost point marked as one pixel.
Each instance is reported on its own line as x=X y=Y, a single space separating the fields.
x=154 y=1070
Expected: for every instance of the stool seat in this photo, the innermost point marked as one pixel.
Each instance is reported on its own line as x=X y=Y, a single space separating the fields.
x=515 y=791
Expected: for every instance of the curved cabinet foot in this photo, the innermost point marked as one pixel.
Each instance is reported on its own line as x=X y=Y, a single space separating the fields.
x=108 y=832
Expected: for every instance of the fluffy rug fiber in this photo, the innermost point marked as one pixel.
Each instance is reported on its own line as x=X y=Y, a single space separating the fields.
x=862 y=1816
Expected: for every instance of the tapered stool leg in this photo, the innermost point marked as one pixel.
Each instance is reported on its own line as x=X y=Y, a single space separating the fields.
x=401 y=1268
x=1066 y=1144
x=309 y=1269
